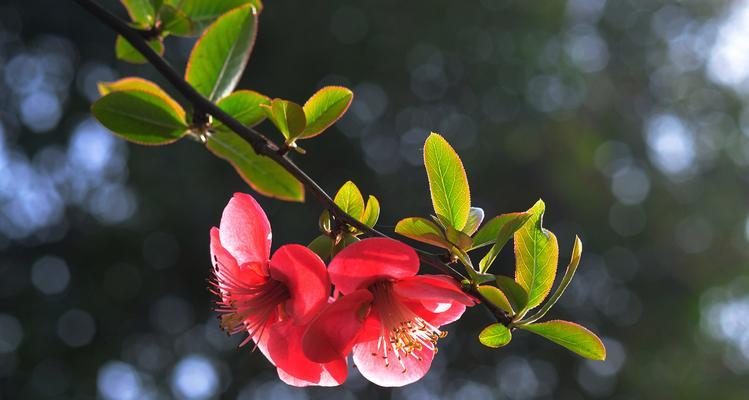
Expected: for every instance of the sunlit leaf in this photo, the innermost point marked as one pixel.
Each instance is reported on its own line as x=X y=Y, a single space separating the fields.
x=516 y=295
x=141 y=12
x=371 y=212
x=325 y=108
x=220 y=55
x=475 y=217
x=287 y=116
x=577 y=250
x=536 y=256
x=458 y=238
x=572 y=336
x=496 y=297
x=507 y=225
x=448 y=183
x=176 y=22
x=244 y=106
x=488 y=233
x=140 y=116
x=495 y=336
x=350 y=199
x=126 y=52
x=261 y=173
x=133 y=83
x=423 y=230
x=203 y=12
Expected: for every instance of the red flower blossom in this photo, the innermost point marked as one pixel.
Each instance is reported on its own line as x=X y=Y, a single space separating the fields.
x=388 y=316
x=273 y=299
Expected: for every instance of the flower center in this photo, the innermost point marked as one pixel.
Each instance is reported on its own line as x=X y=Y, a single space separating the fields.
x=404 y=334
x=247 y=305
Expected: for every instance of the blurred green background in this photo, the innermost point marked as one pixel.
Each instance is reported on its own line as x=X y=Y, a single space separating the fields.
x=630 y=119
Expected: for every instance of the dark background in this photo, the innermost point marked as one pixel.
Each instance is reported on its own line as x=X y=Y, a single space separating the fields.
x=627 y=117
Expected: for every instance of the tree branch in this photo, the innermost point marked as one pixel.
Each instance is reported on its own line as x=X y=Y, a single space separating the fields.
x=261 y=144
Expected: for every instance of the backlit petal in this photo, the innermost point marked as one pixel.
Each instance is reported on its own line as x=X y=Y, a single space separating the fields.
x=245 y=230
x=371 y=260
x=305 y=276
x=370 y=362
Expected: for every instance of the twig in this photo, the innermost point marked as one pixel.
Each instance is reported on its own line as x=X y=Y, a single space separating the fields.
x=261 y=144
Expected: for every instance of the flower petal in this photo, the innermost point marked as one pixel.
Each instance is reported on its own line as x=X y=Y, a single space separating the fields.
x=333 y=333
x=432 y=288
x=369 y=361
x=436 y=313
x=226 y=268
x=282 y=344
x=245 y=230
x=305 y=276
x=371 y=260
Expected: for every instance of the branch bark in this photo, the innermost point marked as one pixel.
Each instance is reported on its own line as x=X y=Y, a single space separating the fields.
x=261 y=144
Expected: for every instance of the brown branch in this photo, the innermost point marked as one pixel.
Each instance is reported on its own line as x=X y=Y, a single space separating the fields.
x=261 y=144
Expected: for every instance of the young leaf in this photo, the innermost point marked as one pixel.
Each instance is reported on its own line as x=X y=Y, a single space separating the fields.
x=126 y=52
x=325 y=108
x=220 y=55
x=507 y=227
x=371 y=212
x=350 y=200
x=496 y=297
x=176 y=22
x=577 y=250
x=244 y=106
x=475 y=217
x=203 y=12
x=141 y=12
x=458 y=238
x=536 y=256
x=140 y=116
x=488 y=233
x=261 y=173
x=572 y=336
x=423 y=230
x=448 y=183
x=495 y=336
x=133 y=83
x=287 y=116
x=322 y=246
x=516 y=295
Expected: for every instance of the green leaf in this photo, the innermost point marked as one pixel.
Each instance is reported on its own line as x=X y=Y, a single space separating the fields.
x=287 y=116
x=350 y=199
x=203 y=12
x=507 y=226
x=458 y=238
x=220 y=55
x=496 y=297
x=126 y=52
x=324 y=108
x=516 y=295
x=371 y=212
x=488 y=233
x=448 y=183
x=423 y=230
x=176 y=22
x=141 y=12
x=322 y=246
x=261 y=173
x=475 y=217
x=572 y=336
x=536 y=256
x=244 y=106
x=140 y=116
x=495 y=336
x=577 y=251
x=133 y=83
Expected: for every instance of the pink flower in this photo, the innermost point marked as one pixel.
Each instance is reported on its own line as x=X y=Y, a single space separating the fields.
x=273 y=299
x=389 y=316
